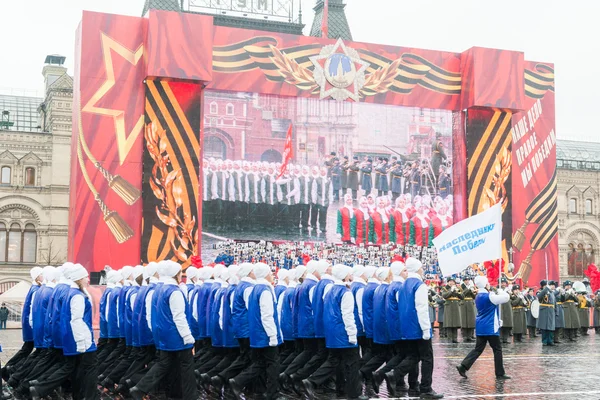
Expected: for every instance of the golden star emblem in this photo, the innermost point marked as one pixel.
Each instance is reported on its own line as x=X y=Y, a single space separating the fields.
x=124 y=141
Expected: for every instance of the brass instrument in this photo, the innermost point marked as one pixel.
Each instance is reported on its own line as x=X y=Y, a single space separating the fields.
x=582 y=301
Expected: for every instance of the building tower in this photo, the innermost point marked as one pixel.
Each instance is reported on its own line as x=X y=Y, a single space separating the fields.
x=338 y=23
x=168 y=5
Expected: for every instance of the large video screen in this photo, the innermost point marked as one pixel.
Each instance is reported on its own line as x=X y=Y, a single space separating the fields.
x=359 y=173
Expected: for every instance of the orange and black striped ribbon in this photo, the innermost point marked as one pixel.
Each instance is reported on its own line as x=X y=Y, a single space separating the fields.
x=538 y=82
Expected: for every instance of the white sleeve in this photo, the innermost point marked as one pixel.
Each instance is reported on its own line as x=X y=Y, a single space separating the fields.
x=311 y=292
x=231 y=297
x=359 y=303
x=107 y=306
x=327 y=289
x=422 y=306
x=221 y=313
x=177 y=306
x=81 y=333
x=280 y=305
x=149 y=309
x=118 y=322
x=195 y=307
x=500 y=298
x=184 y=290
x=267 y=316
x=348 y=315
x=31 y=310
x=247 y=295
x=132 y=300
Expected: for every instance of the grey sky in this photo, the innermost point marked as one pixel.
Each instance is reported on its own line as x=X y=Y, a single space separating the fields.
x=557 y=31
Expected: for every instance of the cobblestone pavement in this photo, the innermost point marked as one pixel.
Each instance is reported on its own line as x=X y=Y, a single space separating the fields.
x=568 y=371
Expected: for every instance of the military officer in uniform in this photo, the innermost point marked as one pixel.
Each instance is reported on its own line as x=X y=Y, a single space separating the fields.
x=345 y=166
x=353 y=178
x=452 y=296
x=531 y=320
x=519 y=304
x=506 y=316
x=336 y=179
x=366 y=182
x=569 y=305
x=467 y=310
x=396 y=179
x=560 y=312
x=546 y=321
x=584 y=312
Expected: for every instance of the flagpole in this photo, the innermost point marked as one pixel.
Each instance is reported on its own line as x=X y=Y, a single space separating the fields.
x=546 y=257
x=325 y=22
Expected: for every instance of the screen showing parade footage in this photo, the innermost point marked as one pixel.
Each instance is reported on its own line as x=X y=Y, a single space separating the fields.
x=310 y=170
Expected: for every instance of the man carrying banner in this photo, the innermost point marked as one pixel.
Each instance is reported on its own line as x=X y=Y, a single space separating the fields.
x=487 y=327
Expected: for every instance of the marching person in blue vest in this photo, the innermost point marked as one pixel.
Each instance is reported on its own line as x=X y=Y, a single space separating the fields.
x=367 y=313
x=229 y=342
x=79 y=348
x=109 y=307
x=241 y=329
x=487 y=327
x=400 y=351
x=22 y=355
x=200 y=312
x=175 y=338
x=39 y=310
x=142 y=340
x=282 y=281
x=413 y=307
x=341 y=338
x=382 y=345
x=203 y=274
x=298 y=274
x=216 y=282
x=118 y=371
x=284 y=292
x=265 y=337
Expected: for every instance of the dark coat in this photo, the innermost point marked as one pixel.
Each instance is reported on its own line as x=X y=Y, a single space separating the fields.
x=353 y=176
x=383 y=178
x=467 y=310
x=452 y=308
x=437 y=157
x=531 y=321
x=441 y=311
x=336 y=177
x=519 y=317
x=560 y=311
x=3 y=313
x=367 y=181
x=506 y=315
x=397 y=179
x=345 y=166
x=547 y=317
x=571 y=313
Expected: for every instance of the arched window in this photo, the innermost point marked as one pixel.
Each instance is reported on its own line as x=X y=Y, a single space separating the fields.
x=3 y=242
x=29 y=176
x=229 y=109
x=5 y=176
x=588 y=206
x=573 y=206
x=29 y=244
x=214 y=147
x=214 y=108
x=14 y=243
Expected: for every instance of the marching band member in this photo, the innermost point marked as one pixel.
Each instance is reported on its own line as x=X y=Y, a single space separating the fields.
x=519 y=304
x=546 y=321
x=583 y=310
x=452 y=298
x=507 y=315
x=531 y=320
x=560 y=312
x=572 y=324
x=175 y=338
x=467 y=310
x=487 y=327
x=353 y=170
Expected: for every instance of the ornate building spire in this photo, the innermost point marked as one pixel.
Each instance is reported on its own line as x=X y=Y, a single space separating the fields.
x=338 y=24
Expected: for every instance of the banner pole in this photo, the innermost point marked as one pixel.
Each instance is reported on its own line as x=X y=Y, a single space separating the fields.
x=546 y=258
x=499 y=279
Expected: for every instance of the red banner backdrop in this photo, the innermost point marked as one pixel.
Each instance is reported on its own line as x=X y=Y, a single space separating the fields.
x=115 y=54
x=535 y=215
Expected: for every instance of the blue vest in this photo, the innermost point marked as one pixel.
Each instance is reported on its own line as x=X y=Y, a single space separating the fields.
x=113 y=317
x=140 y=322
x=40 y=309
x=287 y=329
x=169 y=338
x=28 y=329
x=229 y=339
x=368 y=308
x=295 y=311
x=122 y=297
x=240 y=312
x=335 y=331
x=129 y=315
x=354 y=288
x=258 y=335
x=202 y=299
x=487 y=312
x=193 y=322
x=103 y=319
x=392 y=313
x=154 y=305
x=318 y=307
x=216 y=333
x=60 y=294
x=278 y=290
x=380 y=328
x=209 y=307
x=190 y=287
x=48 y=343
x=68 y=340
x=306 y=319
x=411 y=329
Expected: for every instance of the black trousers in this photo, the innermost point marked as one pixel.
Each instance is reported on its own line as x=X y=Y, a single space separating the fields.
x=318 y=359
x=43 y=367
x=504 y=334
x=380 y=353
x=18 y=358
x=262 y=373
x=418 y=351
x=285 y=350
x=230 y=355
x=304 y=210
x=452 y=334
x=548 y=336
x=240 y=363
x=26 y=367
x=121 y=366
x=344 y=365
x=183 y=361
x=143 y=356
x=496 y=346
x=217 y=356
x=401 y=352
x=81 y=370
x=310 y=347
x=107 y=350
x=322 y=212
x=366 y=345
x=112 y=358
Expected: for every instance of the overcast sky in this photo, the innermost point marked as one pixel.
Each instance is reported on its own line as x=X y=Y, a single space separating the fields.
x=563 y=32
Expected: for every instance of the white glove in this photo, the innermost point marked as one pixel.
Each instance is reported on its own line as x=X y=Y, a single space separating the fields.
x=273 y=341
x=189 y=339
x=81 y=347
x=352 y=339
x=426 y=334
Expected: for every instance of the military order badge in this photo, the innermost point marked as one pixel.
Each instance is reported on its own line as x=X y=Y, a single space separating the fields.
x=339 y=72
